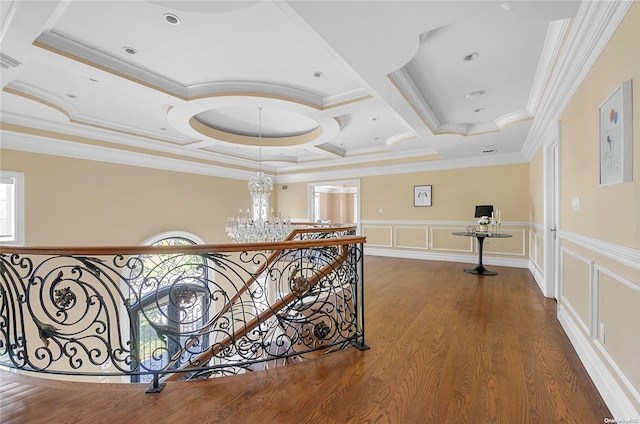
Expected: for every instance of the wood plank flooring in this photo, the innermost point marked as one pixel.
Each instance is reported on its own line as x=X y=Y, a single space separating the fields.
x=446 y=347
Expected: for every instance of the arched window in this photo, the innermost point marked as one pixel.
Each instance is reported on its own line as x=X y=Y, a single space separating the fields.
x=168 y=304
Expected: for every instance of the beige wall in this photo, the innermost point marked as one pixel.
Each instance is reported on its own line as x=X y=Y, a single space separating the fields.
x=455 y=193
x=611 y=212
x=78 y=202
x=293 y=200
x=81 y=202
x=390 y=221
x=600 y=294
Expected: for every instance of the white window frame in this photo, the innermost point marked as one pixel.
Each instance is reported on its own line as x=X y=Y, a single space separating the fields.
x=17 y=238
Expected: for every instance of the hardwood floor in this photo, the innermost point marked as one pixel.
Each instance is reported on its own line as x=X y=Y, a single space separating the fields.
x=446 y=347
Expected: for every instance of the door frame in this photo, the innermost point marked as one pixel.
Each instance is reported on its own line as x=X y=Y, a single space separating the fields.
x=551 y=160
x=311 y=189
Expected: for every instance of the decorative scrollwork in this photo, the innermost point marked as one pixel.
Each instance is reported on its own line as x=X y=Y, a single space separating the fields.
x=179 y=313
x=321 y=330
x=299 y=284
x=64 y=298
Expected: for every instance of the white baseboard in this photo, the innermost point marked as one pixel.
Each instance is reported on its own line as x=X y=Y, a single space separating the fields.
x=537 y=275
x=619 y=404
x=446 y=257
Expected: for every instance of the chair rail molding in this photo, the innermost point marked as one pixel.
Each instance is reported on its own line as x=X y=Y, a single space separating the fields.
x=622 y=254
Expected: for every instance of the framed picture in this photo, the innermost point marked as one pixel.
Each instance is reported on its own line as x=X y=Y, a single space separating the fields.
x=616 y=141
x=422 y=195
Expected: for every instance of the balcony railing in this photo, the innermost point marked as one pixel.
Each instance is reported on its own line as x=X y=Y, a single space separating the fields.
x=159 y=313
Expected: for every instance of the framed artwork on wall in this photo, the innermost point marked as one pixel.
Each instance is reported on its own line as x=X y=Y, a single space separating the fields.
x=422 y=195
x=616 y=140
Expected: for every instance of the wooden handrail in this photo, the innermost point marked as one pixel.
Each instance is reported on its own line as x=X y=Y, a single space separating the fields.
x=275 y=254
x=196 y=248
x=251 y=325
x=275 y=249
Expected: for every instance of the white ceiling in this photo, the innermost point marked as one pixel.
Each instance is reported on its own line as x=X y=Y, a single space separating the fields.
x=341 y=84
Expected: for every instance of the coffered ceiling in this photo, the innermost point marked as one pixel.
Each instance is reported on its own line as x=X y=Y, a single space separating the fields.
x=293 y=87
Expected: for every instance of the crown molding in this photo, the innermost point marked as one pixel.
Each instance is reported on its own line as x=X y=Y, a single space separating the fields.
x=592 y=28
x=74 y=49
x=67 y=108
x=46 y=145
x=404 y=168
x=7 y=62
x=36 y=144
x=407 y=88
x=33 y=127
x=67 y=46
x=556 y=37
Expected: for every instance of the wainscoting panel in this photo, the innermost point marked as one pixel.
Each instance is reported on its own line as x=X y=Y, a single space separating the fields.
x=514 y=246
x=433 y=240
x=539 y=247
x=412 y=237
x=442 y=239
x=617 y=311
x=536 y=255
x=378 y=235
x=577 y=280
x=599 y=308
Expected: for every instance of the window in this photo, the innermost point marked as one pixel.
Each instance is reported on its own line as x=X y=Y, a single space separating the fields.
x=11 y=207
x=170 y=298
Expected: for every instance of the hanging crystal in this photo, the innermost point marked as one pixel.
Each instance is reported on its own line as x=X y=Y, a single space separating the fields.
x=259 y=224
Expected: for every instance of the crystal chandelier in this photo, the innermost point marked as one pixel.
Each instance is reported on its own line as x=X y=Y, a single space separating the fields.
x=258 y=224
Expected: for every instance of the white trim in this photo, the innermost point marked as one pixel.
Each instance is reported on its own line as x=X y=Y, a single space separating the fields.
x=311 y=190
x=430 y=256
x=402 y=227
x=598 y=269
x=19 y=207
x=449 y=230
x=534 y=265
x=593 y=26
x=535 y=226
x=537 y=275
x=576 y=318
x=389 y=227
x=625 y=255
x=523 y=250
x=550 y=188
x=619 y=404
x=459 y=225
x=35 y=144
x=172 y=234
x=304 y=174
x=588 y=327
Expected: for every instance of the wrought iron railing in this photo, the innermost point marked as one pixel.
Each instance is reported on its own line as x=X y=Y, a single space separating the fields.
x=161 y=313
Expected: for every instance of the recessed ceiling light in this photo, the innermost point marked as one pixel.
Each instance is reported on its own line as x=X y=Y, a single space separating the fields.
x=470 y=57
x=473 y=94
x=163 y=129
x=480 y=109
x=318 y=74
x=489 y=149
x=171 y=19
x=130 y=50
x=375 y=118
x=72 y=96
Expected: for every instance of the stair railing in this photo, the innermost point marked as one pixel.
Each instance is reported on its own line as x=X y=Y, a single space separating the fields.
x=199 y=311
